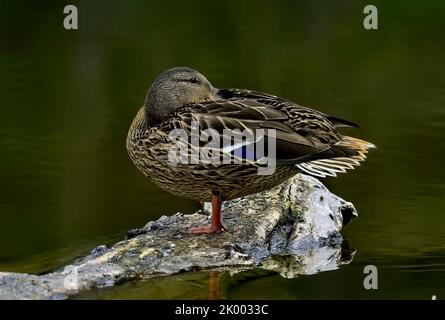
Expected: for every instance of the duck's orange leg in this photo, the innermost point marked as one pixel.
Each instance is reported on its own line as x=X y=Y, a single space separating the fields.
x=216 y=225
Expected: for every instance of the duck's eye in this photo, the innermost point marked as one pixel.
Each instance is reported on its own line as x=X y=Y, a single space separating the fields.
x=193 y=80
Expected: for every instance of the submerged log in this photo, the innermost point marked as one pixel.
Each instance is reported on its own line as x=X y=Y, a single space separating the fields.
x=292 y=229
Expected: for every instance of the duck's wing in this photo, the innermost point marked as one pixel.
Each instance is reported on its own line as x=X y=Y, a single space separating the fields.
x=286 y=105
x=256 y=125
x=315 y=126
x=309 y=123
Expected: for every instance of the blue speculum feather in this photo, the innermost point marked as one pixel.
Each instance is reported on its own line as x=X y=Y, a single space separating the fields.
x=245 y=152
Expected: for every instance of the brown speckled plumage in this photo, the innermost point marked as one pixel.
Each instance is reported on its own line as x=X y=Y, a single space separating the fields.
x=306 y=139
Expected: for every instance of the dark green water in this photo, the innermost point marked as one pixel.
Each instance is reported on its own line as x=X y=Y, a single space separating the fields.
x=68 y=97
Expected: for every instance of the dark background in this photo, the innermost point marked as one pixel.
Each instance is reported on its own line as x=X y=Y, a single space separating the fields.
x=68 y=97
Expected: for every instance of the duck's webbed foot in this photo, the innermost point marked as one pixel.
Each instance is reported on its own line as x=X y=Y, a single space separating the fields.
x=207 y=229
x=216 y=226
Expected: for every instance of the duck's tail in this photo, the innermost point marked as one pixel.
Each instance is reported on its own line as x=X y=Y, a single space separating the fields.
x=330 y=167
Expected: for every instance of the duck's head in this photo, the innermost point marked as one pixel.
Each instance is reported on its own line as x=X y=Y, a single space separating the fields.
x=174 y=88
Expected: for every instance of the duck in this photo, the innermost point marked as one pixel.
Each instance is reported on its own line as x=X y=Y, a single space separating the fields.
x=304 y=140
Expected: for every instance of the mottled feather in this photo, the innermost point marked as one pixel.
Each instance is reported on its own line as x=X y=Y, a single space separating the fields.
x=306 y=140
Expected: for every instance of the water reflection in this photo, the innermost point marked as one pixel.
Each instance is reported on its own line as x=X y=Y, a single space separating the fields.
x=291 y=266
x=216 y=284
x=68 y=99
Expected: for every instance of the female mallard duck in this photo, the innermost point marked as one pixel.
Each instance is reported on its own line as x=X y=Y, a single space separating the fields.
x=305 y=140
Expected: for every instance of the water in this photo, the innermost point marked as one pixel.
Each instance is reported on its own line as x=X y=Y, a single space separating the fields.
x=68 y=98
